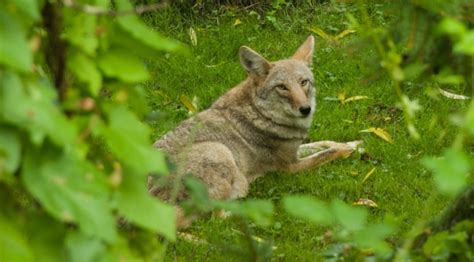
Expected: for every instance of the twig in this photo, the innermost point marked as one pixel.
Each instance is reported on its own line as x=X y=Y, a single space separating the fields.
x=56 y=50
x=96 y=10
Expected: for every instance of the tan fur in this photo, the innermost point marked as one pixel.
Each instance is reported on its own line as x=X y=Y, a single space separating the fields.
x=254 y=128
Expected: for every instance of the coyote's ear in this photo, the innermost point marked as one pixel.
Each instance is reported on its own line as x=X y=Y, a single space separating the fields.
x=253 y=62
x=305 y=51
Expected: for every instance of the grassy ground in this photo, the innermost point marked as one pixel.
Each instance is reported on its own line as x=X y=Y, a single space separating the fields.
x=399 y=185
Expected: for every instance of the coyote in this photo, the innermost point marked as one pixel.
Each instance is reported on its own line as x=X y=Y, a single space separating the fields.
x=256 y=127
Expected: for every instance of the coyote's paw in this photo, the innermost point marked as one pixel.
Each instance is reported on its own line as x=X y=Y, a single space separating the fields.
x=354 y=144
x=349 y=147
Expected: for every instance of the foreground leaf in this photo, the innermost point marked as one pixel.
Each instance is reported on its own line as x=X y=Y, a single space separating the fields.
x=13 y=244
x=47 y=245
x=14 y=49
x=450 y=172
x=139 y=31
x=86 y=70
x=70 y=190
x=80 y=31
x=83 y=248
x=350 y=217
x=10 y=147
x=259 y=211
x=128 y=138
x=372 y=236
x=31 y=106
x=308 y=208
x=141 y=208
x=123 y=65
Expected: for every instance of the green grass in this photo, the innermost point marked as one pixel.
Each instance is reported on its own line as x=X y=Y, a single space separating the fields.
x=399 y=185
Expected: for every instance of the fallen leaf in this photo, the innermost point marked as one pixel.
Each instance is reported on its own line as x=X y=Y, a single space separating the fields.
x=368 y=174
x=354 y=98
x=380 y=132
x=365 y=202
x=192 y=36
x=188 y=104
x=320 y=32
x=344 y=33
x=341 y=97
x=237 y=22
x=452 y=95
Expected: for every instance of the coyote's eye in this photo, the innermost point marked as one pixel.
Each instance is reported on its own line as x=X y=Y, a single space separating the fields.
x=304 y=82
x=281 y=87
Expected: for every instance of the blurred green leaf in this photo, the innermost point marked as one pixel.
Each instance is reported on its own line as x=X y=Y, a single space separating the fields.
x=259 y=211
x=452 y=27
x=199 y=196
x=457 y=243
x=134 y=97
x=128 y=138
x=469 y=119
x=435 y=247
x=46 y=237
x=138 y=30
x=450 y=172
x=446 y=78
x=84 y=248
x=141 y=208
x=373 y=237
x=350 y=217
x=414 y=70
x=120 y=251
x=13 y=245
x=70 y=190
x=466 y=44
x=30 y=106
x=29 y=8
x=308 y=208
x=123 y=65
x=86 y=70
x=10 y=149
x=80 y=30
x=14 y=49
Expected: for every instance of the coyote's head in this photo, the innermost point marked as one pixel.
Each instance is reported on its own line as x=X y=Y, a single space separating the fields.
x=283 y=90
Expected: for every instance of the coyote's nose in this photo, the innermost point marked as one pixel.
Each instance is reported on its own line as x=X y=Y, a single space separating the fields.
x=305 y=110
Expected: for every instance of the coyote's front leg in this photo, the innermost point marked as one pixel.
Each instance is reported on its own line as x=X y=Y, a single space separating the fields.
x=330 y=151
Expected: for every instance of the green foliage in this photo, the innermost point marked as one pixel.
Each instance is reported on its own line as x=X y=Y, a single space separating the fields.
x=14 y=50
x=450 y=172
x=353 y=221
x=449 y=244
x=14 y=246
x=73 y=156
x=63 y=185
